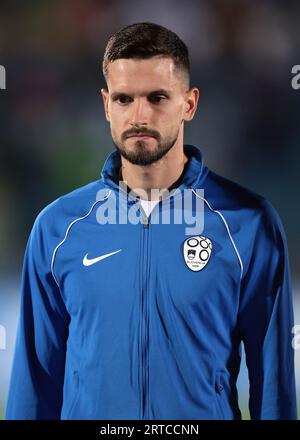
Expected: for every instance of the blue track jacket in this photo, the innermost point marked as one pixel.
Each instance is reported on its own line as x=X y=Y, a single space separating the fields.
x=142 y=321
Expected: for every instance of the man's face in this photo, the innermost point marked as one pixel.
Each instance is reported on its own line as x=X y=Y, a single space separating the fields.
x=145 y=97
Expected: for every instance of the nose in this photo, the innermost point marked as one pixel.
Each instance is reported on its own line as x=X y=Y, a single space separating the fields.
x=139 y=112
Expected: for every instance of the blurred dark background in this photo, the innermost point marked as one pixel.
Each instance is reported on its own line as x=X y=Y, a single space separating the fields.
x=54 y=136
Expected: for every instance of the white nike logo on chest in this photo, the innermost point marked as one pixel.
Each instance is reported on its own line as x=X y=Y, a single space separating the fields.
x=88 y=262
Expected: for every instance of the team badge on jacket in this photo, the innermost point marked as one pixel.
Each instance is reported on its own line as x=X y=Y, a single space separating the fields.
x=197 y=252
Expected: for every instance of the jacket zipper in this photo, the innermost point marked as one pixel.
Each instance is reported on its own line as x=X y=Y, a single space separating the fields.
x=144 y=336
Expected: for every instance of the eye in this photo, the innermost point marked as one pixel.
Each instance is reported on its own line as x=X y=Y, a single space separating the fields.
x=123 y=99
x=156 y=98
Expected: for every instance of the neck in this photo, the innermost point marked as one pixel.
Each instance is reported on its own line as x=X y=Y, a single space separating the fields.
x=160 y=175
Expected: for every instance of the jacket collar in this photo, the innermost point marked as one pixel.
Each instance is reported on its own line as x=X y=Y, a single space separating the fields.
x=193 y=173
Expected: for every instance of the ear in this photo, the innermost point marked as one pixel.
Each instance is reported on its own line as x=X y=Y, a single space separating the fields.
x=105 y=96
x=191 y=102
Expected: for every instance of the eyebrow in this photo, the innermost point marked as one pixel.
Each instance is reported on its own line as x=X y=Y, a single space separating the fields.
x=114 y=95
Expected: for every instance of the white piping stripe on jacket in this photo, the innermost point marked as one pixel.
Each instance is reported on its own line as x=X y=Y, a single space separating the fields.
x=227 y=228
x=67 y=232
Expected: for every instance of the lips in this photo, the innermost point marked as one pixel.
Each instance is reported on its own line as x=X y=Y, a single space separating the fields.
x=141 y=135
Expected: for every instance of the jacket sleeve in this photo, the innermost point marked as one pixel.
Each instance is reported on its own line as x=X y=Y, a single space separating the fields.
x=266 y=321
x=36 y=382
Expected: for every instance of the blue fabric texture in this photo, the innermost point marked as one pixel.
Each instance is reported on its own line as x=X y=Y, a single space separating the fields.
x=114 y=324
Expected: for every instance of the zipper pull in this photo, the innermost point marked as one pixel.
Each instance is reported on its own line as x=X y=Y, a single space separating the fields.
x=145 y=222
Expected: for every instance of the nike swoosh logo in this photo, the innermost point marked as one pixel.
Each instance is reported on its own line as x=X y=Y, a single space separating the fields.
x=88 y=262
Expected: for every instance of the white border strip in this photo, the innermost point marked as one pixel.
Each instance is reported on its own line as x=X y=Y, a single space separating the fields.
x=228 y=231
x=67 y=232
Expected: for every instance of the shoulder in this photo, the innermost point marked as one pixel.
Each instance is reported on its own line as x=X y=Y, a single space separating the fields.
x=253 y=221
x=55 y=217
x=226 y=195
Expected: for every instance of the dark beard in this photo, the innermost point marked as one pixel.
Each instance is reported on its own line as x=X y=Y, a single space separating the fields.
x=143 y=156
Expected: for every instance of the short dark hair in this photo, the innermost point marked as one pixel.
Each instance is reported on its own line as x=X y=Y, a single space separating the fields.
x=146 y=40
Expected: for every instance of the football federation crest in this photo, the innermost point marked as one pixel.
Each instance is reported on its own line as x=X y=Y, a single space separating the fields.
x=197 y=252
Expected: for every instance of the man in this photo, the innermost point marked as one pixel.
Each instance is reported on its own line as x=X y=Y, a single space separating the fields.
x=140 y=320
